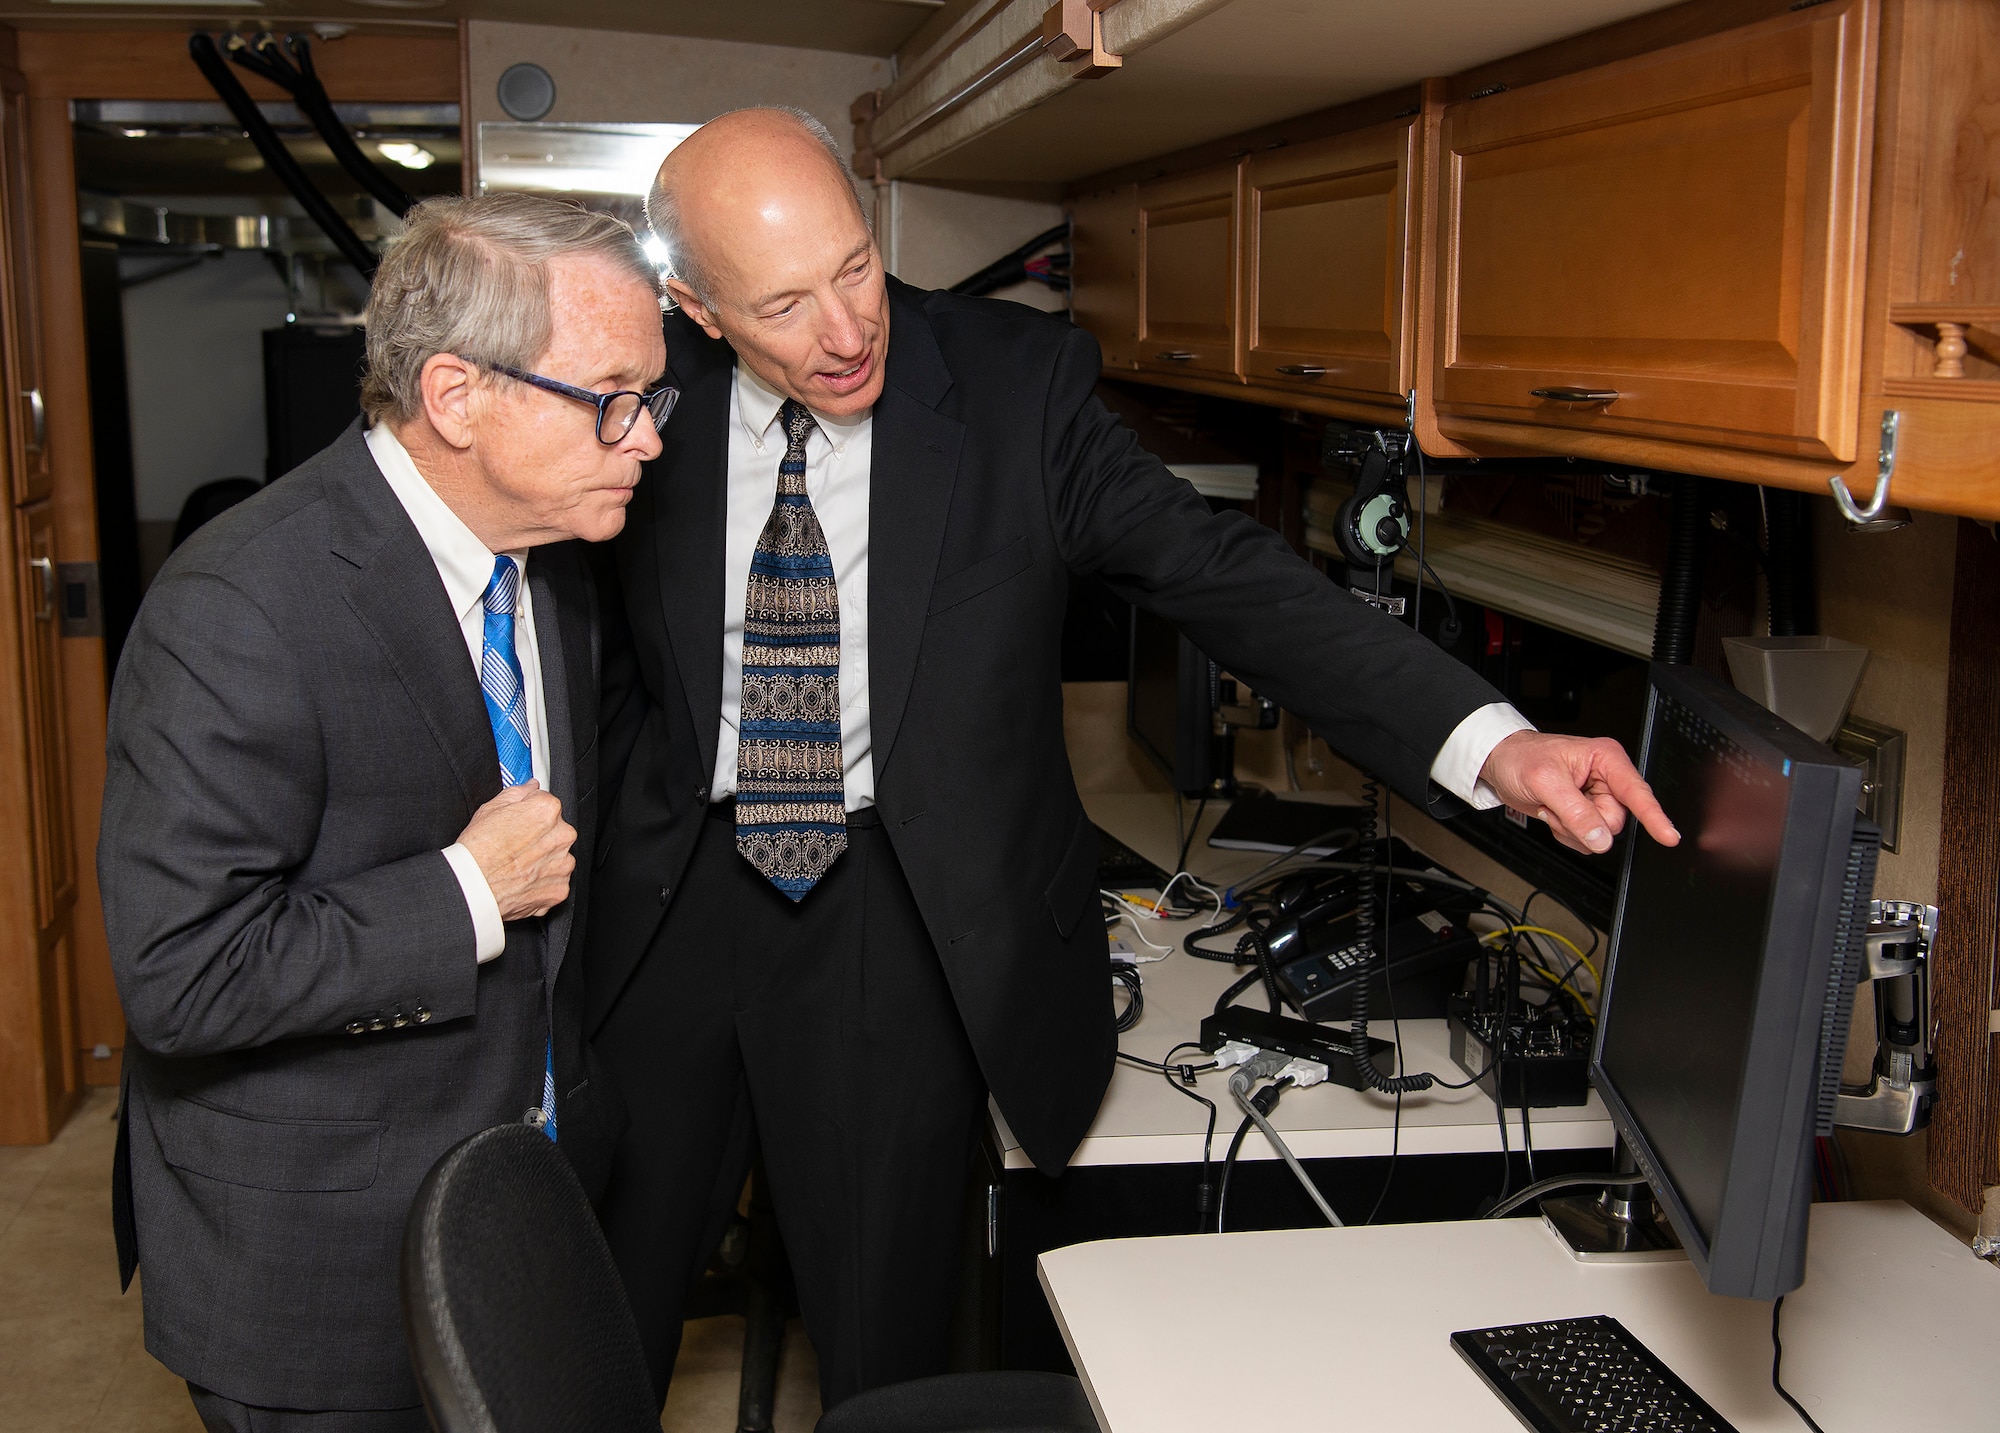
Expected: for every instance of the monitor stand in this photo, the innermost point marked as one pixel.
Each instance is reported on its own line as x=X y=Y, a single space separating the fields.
x=1624 y=1224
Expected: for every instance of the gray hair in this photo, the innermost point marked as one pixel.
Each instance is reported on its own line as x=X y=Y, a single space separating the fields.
x=663 y=208
x=469 y=276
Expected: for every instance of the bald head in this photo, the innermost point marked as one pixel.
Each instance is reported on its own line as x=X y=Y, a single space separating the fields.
x=712 y=164
x=770 y=249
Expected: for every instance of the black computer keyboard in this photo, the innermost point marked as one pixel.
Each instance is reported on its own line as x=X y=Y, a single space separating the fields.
x=1585 y=1376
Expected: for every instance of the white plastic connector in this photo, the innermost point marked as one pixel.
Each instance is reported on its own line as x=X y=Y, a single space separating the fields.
x=1304 y=1073
x=1234 y=1053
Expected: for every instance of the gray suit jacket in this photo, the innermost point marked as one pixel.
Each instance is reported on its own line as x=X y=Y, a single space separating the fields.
x=296 y=732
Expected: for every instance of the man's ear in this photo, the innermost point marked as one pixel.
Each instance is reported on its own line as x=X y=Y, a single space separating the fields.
x=447 y=383
x=693 y=307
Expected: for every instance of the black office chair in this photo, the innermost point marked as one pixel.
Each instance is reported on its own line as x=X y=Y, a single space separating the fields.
x=517 y=1323
x=514 y=1315
x=967 y=1403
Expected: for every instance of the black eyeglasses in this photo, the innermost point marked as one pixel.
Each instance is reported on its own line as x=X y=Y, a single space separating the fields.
x=616 y=412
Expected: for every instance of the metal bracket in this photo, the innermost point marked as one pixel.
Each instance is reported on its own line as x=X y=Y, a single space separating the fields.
x=1903 y=1085
x=1885 y=468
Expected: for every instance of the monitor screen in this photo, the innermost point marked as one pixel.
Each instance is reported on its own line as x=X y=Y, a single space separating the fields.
x=1678 y=1035
x=1733 y=954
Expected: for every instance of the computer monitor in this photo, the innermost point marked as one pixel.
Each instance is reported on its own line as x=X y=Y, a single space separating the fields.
x=1170 y=705
x=1732 y=967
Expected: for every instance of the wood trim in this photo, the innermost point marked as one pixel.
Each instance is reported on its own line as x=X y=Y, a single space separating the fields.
x=468 y=132
x=154 y=65
x=65 y=374
x=1370 y=415
x=1963 y=1154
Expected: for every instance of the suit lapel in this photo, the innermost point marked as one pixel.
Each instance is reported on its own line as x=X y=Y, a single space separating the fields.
x=554 y=622
x=915 y=464
x=689 y=492
x=395 y=591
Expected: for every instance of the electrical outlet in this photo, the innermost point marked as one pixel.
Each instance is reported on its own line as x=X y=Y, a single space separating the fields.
x=1878 y=750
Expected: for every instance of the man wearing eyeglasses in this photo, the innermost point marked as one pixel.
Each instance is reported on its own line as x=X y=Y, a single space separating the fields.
x=349 y=807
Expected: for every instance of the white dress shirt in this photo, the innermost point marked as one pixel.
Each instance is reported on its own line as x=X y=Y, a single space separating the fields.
x=839 y=455
x=465 y=566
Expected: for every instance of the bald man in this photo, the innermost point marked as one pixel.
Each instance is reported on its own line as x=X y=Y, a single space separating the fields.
x=848 y=886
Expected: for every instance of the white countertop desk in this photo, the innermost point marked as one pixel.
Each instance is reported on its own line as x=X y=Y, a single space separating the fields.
x=1142 y=1121
x=1897 y=1326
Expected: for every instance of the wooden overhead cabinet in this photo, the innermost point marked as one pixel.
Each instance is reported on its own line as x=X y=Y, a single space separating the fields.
x=1187 y=274
x=1669 y=250
x=1328 y=306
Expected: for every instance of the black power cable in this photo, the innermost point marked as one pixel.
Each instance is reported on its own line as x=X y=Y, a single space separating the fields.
x=293 y=73
x=1777 y=1358
x=286 y=169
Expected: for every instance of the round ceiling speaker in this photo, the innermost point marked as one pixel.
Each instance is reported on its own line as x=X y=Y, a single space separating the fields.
x=526 y=91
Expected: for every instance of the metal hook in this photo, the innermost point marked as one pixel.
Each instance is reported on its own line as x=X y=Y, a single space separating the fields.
x=1885 y=468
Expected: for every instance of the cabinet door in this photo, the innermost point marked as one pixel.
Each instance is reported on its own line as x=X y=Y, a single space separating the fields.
x=1682 y=232
x=52 y=849
x=1104 y=270
x=1326 y=275
x=1187 y=274
x=23 y=368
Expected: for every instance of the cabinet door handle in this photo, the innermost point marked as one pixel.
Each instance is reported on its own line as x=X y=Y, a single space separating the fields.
x=1176 y=354
x=1577 y=395
x=46 y=568
x=38 y=419
x=1301 y=370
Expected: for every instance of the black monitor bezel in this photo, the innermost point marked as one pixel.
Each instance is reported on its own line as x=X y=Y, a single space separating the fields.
x=1757 y=1249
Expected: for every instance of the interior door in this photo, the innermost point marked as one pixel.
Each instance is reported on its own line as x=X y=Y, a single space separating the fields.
x=1327 y=280
x=1187 y=274
x=1667 y=247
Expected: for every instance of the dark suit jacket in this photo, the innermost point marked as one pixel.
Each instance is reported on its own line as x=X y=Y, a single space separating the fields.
x=997 y=474
x=296 y=732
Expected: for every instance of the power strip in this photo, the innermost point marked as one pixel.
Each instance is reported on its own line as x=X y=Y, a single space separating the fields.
x=1323 y=1044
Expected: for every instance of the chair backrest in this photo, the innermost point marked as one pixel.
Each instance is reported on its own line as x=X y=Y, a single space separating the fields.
x=514 y=1315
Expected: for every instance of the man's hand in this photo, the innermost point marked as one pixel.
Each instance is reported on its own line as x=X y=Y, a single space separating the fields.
x=1581 y=786
x=521 y=844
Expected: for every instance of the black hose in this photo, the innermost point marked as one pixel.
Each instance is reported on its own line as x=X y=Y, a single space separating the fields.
x=1680 y=583
x=295 y=75
x=1788 y=563
x=1011 y=268
x=280 y=160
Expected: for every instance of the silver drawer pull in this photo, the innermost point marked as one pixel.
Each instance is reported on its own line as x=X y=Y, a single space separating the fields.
x=1577 y=395
x=1301 y=370
x=1176 y=355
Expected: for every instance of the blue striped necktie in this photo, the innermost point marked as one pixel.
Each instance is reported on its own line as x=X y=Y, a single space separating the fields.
x=507 y=709
x=791 y=809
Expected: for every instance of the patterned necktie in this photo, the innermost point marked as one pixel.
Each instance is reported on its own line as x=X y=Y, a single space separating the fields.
x=791 y=807
x=507 y=710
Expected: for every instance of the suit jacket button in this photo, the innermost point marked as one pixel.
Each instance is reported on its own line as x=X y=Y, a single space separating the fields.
x=423 y=1015
x=357 y=1028
x=378 y=1023
x=400 y=1020
x=535 y=1119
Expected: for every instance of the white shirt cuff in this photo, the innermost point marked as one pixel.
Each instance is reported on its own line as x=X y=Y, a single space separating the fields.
x=489 y=933
x=1463 y=755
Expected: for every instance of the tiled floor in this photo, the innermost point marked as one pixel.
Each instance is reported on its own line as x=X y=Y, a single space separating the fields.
x=71 y=1356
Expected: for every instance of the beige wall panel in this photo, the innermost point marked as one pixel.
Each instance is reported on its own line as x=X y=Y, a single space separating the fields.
x=610 y=75
x=940 y=235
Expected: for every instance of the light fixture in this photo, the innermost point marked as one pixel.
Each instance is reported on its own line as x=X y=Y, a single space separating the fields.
x=410 y=156
x=656 y=251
